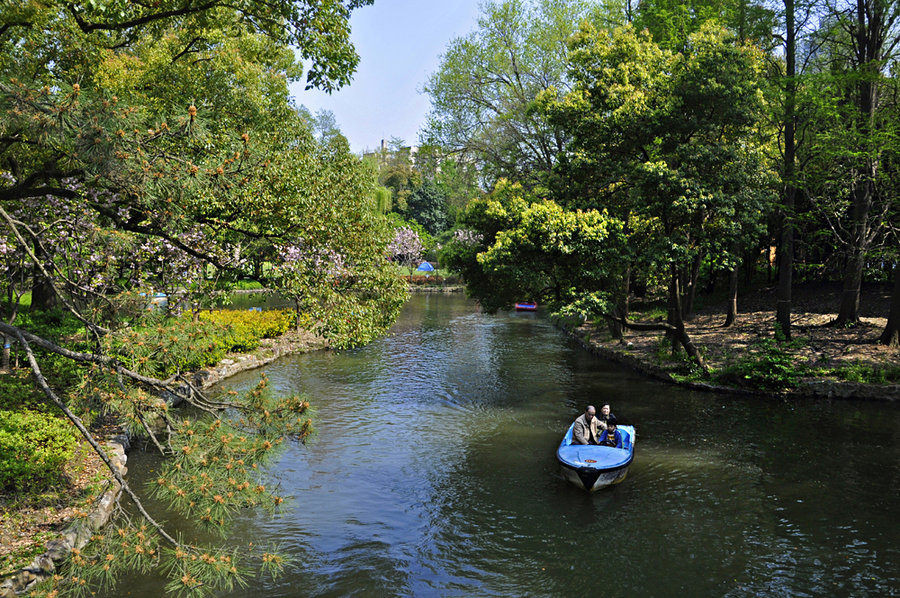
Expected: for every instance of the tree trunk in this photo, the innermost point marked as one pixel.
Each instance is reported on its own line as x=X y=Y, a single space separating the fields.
x=863 y=194
x=750 y=265
x=678 y=334
x=732 y=297
x=891 y=334
x=786 y=251
x=691 y=294
x=870 y=35
x=43 y=296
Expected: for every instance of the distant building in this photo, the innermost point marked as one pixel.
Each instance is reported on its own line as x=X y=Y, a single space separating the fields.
x=383 y=155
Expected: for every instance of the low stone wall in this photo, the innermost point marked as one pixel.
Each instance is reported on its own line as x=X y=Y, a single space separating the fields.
x=413 y=288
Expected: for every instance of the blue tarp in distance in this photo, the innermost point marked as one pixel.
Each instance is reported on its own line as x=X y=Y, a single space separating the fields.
x=425 y=267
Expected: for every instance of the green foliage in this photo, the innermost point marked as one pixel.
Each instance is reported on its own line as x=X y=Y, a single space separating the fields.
x=54 y=324
x=866 y=373
x=427 y=205
x=17 y=392
x=671 y=22
x=246 y=328
x=529 y=248
x=213 y=474
x=383 y=202
x=768 y=366
x=172 y=345
x=34 y=447
x=482 y=95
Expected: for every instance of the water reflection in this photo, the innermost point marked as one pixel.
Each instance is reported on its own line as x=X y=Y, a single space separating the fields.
x=434 y=474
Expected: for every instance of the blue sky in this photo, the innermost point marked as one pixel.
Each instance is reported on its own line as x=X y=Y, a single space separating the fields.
x=399 y=43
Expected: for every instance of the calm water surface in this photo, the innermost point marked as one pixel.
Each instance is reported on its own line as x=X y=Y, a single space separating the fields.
x=434 y=474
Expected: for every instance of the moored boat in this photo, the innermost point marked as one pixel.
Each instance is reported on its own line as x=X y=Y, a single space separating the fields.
x=591 y=466
x=526 y=306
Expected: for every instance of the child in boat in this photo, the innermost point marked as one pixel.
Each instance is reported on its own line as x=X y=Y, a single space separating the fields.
x=611 y=435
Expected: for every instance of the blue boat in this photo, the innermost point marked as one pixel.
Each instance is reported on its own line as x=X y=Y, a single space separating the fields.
x=526 y=306
x=591 y=466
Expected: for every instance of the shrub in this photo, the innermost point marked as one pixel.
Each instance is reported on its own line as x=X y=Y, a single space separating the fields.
x=246 y=328
x=868 y=374
x=182 y=345
x=34 y=447
x=17 y=392
x=769 y=366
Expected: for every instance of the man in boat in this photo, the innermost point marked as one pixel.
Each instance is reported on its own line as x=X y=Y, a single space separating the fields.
x=611 y=435
x=586 y=429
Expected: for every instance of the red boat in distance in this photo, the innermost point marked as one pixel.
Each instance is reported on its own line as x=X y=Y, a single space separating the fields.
x=526 y=306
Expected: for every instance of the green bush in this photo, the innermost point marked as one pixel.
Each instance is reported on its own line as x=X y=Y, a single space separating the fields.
x=182 y=345
x=18 y=392
x=34 y=447
x=868 y=374
x=769 y=366
x=246 y=328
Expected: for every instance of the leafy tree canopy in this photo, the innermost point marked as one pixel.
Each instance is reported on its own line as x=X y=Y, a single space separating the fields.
x=146 y=144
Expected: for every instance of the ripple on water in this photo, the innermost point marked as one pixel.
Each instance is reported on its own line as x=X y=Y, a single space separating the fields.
x=434 y=474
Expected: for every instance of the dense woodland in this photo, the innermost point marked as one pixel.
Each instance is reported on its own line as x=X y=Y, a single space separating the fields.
x=675 y=146
x=577 y=153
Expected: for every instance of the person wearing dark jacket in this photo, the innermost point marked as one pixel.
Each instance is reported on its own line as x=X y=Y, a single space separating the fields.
x=611 y=435
x=604 y=416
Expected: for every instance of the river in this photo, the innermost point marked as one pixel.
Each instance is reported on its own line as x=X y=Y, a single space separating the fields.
x=433 y=473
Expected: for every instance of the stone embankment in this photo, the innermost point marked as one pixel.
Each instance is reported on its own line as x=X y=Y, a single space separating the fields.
x=79 y=531
x=436 y=289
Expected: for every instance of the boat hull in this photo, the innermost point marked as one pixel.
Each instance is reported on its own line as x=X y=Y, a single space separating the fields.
x=593 y=467
x=592 y=480
x=526 y=306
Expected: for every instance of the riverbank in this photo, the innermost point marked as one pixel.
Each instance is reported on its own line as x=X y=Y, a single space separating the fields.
x=39 y=531
x=821 y=361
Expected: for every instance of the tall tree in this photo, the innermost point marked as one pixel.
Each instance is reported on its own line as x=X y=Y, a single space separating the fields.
x=672 y=137
x=483 y=91
x=863 y=39
x=796 y=18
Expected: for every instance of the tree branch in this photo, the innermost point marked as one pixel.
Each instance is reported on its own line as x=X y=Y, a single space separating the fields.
x=42 y=383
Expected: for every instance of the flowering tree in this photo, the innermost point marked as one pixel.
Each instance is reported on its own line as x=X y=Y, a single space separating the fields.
x=150 y=142
x=406 y=249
